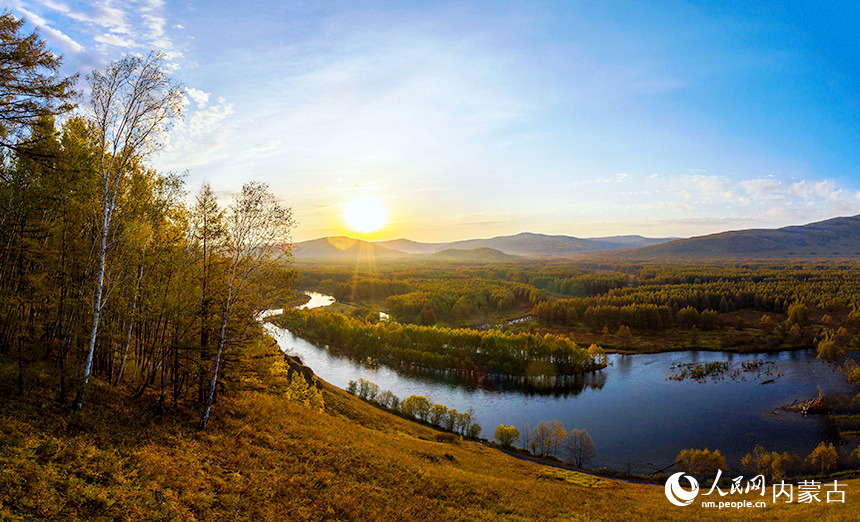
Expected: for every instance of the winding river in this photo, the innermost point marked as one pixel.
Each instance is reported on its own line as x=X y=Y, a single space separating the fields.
x=638 y=418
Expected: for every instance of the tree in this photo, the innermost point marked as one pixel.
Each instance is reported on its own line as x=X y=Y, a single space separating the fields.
x=827 y=348
x=624 y=334
x=506 y=436
x=773 y=465
x=387 y=399
x=798 y=314
x=257 y=236
x=546 y=437
x=132 y=102
x=438 y=413
x=701 y=462
x=598 y=355
x=30 y=85
x=416 y=406
x=823 y=458
x=207 y=229
x=579 y=446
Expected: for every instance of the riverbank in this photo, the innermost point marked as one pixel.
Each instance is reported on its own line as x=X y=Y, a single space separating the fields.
x=265 y=457
x=732 y=413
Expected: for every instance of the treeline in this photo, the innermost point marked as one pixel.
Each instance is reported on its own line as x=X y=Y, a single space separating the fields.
x=669 y=305
x=419 y=408
x=107 y=272
x=824 y=459
x=444 y=349
x=644 y=316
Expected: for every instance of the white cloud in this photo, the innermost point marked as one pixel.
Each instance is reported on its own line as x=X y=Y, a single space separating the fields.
x=55 y=36
x=98 y=32
x=115 y=40
x=198 y=138
x=201 y=98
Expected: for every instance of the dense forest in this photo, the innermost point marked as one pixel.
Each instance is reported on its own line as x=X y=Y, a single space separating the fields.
x=110 y=270
x=623 y=306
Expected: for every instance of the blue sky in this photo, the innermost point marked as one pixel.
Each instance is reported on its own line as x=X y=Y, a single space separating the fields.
x=474 y=119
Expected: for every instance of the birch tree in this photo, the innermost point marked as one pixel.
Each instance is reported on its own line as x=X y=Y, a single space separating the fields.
x=255 y=244
x=133 y=103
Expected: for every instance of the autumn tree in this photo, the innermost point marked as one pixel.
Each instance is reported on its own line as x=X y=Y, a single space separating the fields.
x=579 y=446
x=827 y=348
x=701 y=462
x=438 y=413
x=207 y=234
x=823 y=458
x=30 y=83
x=132 y=103
x=256 y=246
x=506 y=436
x=624 y=334
x=547 y=437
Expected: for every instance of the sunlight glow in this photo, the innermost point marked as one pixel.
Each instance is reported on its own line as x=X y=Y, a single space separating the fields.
x=365 y=215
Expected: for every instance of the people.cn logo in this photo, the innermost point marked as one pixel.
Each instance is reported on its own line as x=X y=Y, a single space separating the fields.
x=678 y=495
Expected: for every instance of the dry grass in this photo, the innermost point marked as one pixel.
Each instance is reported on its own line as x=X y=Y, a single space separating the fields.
x=267 y=458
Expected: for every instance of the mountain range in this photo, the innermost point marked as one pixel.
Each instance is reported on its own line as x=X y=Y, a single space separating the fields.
x=497 y=248
x=837 y=237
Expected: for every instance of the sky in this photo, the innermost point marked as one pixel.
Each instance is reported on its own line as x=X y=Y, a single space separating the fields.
x=477 y=119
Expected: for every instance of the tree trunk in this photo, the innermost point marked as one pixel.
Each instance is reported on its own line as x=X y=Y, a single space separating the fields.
x=204 y=420
x=97 y=309
x=20 y=366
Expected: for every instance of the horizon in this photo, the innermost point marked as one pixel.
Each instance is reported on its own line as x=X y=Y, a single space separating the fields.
x=460 y=121
x=384 y=239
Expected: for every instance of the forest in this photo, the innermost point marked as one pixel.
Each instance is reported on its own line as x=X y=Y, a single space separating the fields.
x=110 y=270
x=622 y=306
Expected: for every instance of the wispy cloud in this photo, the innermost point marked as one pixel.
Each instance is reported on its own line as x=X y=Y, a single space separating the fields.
x=52 y=34
x=103 y=29
x=200 y=136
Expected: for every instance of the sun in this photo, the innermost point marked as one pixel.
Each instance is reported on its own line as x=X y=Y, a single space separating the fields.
x=365 y=215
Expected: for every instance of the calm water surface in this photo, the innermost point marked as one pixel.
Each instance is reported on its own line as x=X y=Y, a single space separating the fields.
x=638 y=419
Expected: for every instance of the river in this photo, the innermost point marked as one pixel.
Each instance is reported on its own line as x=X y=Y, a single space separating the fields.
x=638 y=418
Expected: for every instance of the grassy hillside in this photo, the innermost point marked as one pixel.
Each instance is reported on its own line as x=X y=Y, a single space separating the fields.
x=266 y=457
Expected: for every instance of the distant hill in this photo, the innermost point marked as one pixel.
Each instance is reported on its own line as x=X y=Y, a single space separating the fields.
x=476 y=254
x=528 y=244
x=344 y=249
x=837 y=237
x=632 y=241
x=411 y=247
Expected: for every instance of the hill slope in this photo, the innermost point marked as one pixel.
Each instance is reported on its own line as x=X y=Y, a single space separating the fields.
x=837 y=237
x=265 y=457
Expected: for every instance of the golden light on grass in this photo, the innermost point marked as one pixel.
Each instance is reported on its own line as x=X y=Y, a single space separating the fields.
x=365 y=215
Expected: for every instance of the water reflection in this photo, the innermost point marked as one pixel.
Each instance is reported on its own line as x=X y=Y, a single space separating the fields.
x=638 y=418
